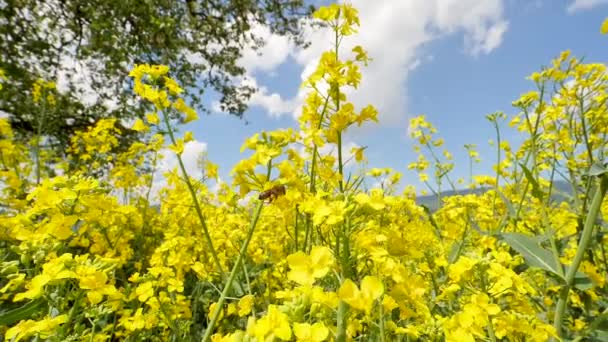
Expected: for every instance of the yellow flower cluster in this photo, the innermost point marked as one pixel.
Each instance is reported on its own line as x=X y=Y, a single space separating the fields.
x=41 y=88
x=89 y=255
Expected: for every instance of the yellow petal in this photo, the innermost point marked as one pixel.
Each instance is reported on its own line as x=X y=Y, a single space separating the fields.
x=245 y=305
x=372 y=287
x=297 y=260
x=188 y=136
x=349 y=292
x=319 y=332
x=322 y=260
x=302 y=331
x=140 y=126
x=153 y=118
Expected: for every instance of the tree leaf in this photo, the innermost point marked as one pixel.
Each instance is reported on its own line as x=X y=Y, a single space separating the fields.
x=24 y=312
x=535 y=255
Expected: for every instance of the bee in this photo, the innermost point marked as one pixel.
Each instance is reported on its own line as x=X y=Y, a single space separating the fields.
x=273 y=193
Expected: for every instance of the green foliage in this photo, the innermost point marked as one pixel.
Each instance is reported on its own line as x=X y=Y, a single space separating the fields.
x=201 y=40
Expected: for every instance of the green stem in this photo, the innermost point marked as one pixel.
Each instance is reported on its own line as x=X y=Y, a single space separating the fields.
x=72 y=314
x=37 y=147
x=313 y=169
x=491 y=330
x=296 y=229
x=345 y=229
x=556 y=256
x=197 y=206
x=340 y=163
x=345 y=266
x=484 y=284
x=498 y=141
x=342 y=311
x=235 y=268
x=381 y=312
x=580 y=252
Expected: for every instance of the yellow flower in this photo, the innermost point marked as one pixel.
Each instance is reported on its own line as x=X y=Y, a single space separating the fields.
x=90 y=278
x=188 y=137
x=178 y=147
x=375 y=201
x=182 y=107
x=172 y=86
x=423 y=177
x=153 y=118
x=358 y=153
x=361 y=54
x=245 y=304
x=604 y=28
x=480 y=303
x=43 y=329
x=330 y=213
x=140 y=126
x=275 y=324
x=306 y=269
x=462 y=266
x=327 y=13
x=144 y=291
x=361 y=299
x=51 y=271
x=60 y=226
x=211 y=170
x=35 y=288
x=310 y=333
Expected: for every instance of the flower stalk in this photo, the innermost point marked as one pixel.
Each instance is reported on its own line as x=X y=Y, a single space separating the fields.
x=195 y=201
x=583 y=245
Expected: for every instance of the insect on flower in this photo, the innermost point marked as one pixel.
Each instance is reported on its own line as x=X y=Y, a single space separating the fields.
x=273 y=193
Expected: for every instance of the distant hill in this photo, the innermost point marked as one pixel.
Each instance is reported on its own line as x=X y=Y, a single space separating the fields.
x=561 y=191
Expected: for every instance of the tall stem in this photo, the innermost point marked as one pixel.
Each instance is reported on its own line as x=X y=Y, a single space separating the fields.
x=344 y=231
x=197 y=206
x=235 y=268
x=498 y=141
x=580 y=252
x=37 y=146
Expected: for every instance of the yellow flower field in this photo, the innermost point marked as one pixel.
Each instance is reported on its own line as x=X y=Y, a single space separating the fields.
x=85 y=254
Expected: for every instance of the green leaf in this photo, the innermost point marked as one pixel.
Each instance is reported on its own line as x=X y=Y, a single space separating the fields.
x=601 y=335
x=24 y=312
x=535 y=255
x=429 y=214
x=599 y=323
x=536 y=191
x=508 y=203
x=581 y=280
x=597 y=169
x=454 y=252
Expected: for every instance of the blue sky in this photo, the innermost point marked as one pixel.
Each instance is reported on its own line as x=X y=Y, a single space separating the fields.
x=454 y=61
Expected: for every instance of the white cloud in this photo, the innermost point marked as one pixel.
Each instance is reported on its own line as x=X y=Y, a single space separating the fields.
x=394 y=33
x=273 y=103
x=169 y=162
x=582 y=5
x=274 y=52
